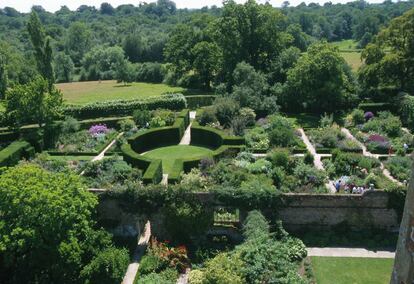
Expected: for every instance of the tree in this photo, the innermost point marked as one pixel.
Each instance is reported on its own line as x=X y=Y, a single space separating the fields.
x=319 y=81
x=34 y=102
x=107 y=9
x=64 y=67
x=133 y=47
x=206 y=61
x=389 y=60
x=3 y=77
x=43 y=49
x=78 y=41
x=46 y=229
x=125 y=72
x=252 y=33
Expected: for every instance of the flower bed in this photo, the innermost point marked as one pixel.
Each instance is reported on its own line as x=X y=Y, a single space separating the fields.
x=382 y=134
x=400 y=168
x=325 y=139
x=274 y=131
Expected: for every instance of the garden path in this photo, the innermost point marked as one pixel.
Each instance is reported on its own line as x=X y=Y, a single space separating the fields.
x=139 y=252
x=350 y=252
x=365 y=152
x=405 y=129
x=183 y=279
x=102 y=154
x=186 y=139
x=164 y=180
x=317 y=158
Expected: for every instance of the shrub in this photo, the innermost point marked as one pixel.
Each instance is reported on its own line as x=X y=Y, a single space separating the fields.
x=368 y=115
x=308 y=159
x=255 y=226
x=248 y=115
x=70 y=125
x=126 y=125
x=226 y=109
x=142 y=117
x=207 y=116
x=165 y=114
x=157 y=122
x=358 y=117
x=279 y=158
x=108 y=267
x=12 y=154
x=224 y=268
x=151 y=72
x=168 y=276
x=196 y=276
x=280 y=131
x=326 y=120
x=400 y=167
x=151 y=263
x=237 y=125
x=257 y=139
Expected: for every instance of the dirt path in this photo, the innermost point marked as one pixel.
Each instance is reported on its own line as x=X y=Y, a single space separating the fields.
x=317 y=161
x=183 y=279
x=350 y=252
x=139 y=252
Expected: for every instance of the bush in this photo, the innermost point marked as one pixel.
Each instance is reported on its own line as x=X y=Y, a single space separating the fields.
x=168 y=276
x=126 y=125
x=308 y=159
x=226 y=109
x=385 y=123
x=151 y=72
x=198 y=101
x=224 y=268
x=142 y=117
x=207 y=116
x=13 y=153
x=150 y=264
x=280 y=158
x=165 y=115
x=108 y=267
x=281 y=132
x=248 y=115
x=237 y=125
x=357 y=116
x=125 y=107
x=257 y=139
x=69 y=125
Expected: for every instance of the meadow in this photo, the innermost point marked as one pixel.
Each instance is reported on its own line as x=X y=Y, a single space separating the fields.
x=350 y=52
x=97 y=91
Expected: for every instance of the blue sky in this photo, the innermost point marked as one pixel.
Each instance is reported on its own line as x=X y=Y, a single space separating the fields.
x=53 y=5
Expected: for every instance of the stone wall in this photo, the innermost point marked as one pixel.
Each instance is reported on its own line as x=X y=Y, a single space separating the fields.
x=300 y=211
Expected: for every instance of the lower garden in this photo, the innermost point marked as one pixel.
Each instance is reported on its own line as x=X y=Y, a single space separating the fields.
x=246 y=161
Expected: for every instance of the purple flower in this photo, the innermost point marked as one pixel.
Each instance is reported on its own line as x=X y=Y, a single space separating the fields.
x=368 y=115
x=377 y=138
x=98 y=129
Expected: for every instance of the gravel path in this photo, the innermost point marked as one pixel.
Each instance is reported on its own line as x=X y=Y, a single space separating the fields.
x=183 y=279
x=317 y=158
x=365 y=152
x=350 y=252
x=186 y=139
x=139 y=252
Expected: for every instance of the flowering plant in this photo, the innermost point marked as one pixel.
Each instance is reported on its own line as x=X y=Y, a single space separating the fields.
x=175 y=257
x=368 y=115
x=98 y=130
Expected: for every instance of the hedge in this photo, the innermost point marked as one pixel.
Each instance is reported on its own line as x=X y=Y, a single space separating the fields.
x=13 y=153
x=155 y=138
x=153 y=174
x=325 y=150
x=375 y=107
x=206 y=137
x=125 y=107
x=175 y=174
x=194 y=102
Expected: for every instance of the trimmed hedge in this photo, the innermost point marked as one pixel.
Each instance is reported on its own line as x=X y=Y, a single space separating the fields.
x=153 y=174
x=206 y=136
x=125 y=107
x=375 y=107
x=175 y=174
x=13 y=153
x=194 y=102
x=155 y=138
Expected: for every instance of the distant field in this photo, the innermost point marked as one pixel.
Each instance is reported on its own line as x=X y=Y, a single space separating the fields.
x=343 y=45
x=95 y=91
x=353 y=59
x=350 y=52
x=351 y=270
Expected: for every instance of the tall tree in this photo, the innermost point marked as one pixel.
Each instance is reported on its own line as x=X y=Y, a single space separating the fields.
x=35 y=102
x=133 y=47
x=64 y=67
x=389 y=60
x=3 y=77
x=42 y=46
x=206 y=61
x=319 y=81
x=47 y=232
x=78 y=41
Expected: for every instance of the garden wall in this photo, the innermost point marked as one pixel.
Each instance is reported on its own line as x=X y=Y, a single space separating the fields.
x=299 y=212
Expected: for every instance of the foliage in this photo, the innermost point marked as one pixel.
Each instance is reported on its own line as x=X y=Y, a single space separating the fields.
x=385 y=123
x=281 y=132
x=64 y=68
x=66 y=238
x=35 y=102
x=226 y=109
x=358 y=117
x=3 y=77
x=400 y=167
x=142 y=117
x=257 y=139
x=224 y=268
x=208 y=116
x=42 y=46
x=172 y=257
x=108 y=267
x=320 y=81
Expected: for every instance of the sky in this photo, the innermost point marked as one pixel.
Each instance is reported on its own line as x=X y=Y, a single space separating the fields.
x=54 y=5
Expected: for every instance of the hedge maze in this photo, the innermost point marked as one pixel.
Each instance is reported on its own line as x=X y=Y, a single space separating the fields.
x=215 y=140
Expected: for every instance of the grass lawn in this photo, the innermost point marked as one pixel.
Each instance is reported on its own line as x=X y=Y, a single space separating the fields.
x=95 y=91
x=171 y=153
x=348 y=44
x=353 y=59
x=351 y=270
x=304 y=120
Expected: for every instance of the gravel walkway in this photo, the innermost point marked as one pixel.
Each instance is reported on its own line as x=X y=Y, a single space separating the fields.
x=316 y=158
x=350 y=252
x=139 y=252
x=365 y=152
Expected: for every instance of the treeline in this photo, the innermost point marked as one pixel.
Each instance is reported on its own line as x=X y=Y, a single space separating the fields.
x=141 y=33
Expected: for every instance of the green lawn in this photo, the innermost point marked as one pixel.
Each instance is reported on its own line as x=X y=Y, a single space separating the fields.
x=348 y=44
x=169 y=154
x=353 y=59
x=304 y=120
x=351 y=270
x=95 y=91
x=70 y=158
